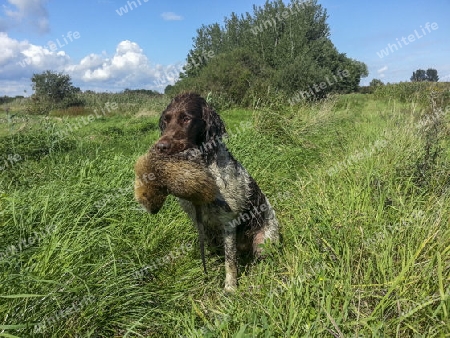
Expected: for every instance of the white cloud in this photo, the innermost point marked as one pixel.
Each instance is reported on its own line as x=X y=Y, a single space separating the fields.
x=171 y=16
x=21 y=58
x=129 y=67
x=32 y=13
x=129 y=64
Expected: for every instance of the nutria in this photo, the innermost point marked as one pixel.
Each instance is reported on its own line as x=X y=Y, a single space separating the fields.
x=182 y=175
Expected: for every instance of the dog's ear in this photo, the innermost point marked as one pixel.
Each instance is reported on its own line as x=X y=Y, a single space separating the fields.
x=161 y=122
x=215 y=128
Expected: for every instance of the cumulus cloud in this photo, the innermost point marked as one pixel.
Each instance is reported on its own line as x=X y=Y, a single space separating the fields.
x=31 y=13
x=21 y=58
x=129 y=64
x=171 y=16
x=128 y=67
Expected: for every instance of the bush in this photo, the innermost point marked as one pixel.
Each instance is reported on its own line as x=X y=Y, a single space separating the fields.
x=37 y=107
x=237 y=77
x=53 y=91
x=251 y=60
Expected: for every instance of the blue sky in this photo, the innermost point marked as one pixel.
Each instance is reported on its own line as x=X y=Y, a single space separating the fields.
x=146 y=46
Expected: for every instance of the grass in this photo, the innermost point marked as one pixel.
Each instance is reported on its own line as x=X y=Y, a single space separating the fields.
x=365 y=247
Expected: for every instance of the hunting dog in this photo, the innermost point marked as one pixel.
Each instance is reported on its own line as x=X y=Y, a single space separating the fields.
x=240 y=219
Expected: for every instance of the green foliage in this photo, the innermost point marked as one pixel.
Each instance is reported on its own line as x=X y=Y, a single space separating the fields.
x=365 y=247
x=28 y=148
x=9 y=99
x=279 y=48
x=55 y=87
x=141 y=91
x=370 y=89
x=420 y=75
x=130 y=101
x=235 y=75
x=53 y=90
x=37 y=143
x=168 y=89
x=418 y=92
x=375 y=83
x=432 y=75
x=127 y=102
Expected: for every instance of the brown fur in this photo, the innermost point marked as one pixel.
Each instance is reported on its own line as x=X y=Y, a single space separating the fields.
x=157 y=176
x=241 y=218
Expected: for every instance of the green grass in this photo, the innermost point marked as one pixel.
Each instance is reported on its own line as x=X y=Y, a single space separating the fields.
x=365 y=249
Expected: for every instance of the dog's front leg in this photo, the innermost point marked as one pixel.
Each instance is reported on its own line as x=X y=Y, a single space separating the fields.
x=230 y=259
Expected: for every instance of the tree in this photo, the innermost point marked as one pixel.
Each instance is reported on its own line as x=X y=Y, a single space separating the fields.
x=420 y=75
x=168 y=89
x=376 y=83
x=55 y=88
x=432 y=75
x=280 y=47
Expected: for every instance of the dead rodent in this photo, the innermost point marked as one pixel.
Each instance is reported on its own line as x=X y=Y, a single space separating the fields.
x=181 y=175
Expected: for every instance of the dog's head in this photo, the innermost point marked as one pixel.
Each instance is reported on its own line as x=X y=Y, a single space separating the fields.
x=188 y=122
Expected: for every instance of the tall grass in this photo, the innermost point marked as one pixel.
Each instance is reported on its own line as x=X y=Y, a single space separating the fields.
x=417 y=92
x=365 y=248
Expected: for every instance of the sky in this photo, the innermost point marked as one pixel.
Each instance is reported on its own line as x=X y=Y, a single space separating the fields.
x=111 y=45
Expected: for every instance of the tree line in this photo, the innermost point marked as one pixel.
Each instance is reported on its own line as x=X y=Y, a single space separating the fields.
x=420 y=75
x=279 y=48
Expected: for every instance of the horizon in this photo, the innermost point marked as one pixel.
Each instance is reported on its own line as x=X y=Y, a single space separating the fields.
x=101 y=47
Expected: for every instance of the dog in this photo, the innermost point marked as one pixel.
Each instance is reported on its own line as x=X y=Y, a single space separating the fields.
x=241 y=218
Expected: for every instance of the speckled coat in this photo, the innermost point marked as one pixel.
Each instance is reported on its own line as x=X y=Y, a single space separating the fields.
x=241 y=218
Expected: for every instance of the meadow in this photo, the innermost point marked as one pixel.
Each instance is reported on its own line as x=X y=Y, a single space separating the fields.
x=360 y=184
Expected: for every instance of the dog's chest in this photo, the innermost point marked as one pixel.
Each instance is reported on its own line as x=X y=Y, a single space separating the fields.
x=233 y=182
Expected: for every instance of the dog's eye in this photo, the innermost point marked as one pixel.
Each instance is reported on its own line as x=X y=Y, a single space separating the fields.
x=185 y=119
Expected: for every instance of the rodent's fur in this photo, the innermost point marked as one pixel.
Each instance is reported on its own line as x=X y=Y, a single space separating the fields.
x=158 y=175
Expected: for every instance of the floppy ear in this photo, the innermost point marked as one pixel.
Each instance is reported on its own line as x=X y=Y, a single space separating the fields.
x=215 y=128
x=161 y=122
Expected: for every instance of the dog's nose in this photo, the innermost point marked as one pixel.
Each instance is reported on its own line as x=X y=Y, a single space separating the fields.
x=163 y=146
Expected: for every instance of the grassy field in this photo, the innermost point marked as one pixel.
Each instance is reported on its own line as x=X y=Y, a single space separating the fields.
x=360 y=184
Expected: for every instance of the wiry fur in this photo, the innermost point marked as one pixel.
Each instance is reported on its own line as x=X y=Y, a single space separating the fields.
x=190 y=124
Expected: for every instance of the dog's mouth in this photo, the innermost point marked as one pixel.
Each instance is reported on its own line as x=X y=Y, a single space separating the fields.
x=173 y=147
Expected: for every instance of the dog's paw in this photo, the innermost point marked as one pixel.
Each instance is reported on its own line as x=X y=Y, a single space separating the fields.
x=230 y=284
x=230 y=288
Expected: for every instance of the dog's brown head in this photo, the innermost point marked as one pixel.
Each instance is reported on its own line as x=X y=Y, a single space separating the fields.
x=188 y=122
